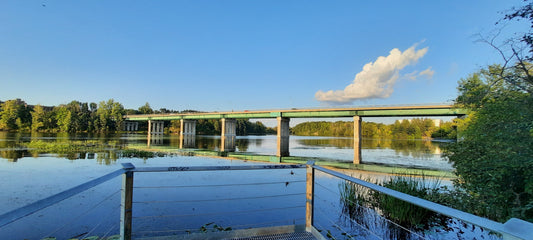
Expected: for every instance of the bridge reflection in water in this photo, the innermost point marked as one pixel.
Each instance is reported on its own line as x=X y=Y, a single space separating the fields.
x=404 y=155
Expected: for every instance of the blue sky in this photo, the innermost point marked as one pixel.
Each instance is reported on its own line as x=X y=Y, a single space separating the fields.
x=240 y=55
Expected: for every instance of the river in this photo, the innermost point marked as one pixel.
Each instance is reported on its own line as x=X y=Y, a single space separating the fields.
x=27 y=176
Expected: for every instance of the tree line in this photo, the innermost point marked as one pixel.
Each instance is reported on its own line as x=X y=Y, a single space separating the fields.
x=416 y=128
x=214 y=127
x=106 y=116
x=16 y=115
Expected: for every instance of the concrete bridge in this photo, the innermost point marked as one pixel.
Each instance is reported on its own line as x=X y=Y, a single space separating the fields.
x=228 y=122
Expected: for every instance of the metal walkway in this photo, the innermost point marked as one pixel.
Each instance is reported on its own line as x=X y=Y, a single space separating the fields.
x=288 y=236
x=290 y=232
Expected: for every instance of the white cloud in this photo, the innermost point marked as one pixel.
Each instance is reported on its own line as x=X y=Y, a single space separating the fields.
x=377 y=78
x=428 y=73
x=413 y=76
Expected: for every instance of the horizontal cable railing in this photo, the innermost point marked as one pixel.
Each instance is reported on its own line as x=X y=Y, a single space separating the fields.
x=357 y=218
x=212 y=203
x=204 y=199
x=275 y=199
x=87 y=210
x=49 y=201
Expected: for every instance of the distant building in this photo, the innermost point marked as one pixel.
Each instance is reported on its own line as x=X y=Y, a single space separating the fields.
x=437 y=122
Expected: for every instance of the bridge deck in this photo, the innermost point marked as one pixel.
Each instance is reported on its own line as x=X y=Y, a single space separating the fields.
x=403 y=111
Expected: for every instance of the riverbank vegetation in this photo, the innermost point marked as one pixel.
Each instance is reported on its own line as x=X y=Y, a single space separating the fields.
x=107 y=116
x=494 y=160
x=416 y=128
x=377 y=210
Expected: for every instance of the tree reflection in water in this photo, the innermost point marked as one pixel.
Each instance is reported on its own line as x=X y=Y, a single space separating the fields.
x=405 y=147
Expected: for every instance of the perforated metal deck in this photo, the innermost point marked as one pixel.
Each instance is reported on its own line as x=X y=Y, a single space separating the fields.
x=290 y=232
x=287 y=236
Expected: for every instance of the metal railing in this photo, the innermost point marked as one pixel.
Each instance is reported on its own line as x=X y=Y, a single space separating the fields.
x=128 y=202
x=513 y=229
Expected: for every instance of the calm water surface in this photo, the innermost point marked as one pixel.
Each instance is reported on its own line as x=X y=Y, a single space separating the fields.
x=27 y=176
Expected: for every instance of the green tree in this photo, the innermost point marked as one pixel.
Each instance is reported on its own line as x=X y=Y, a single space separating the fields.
x=146 y=109
x=38 y=119
x=14 y=115
x=63 y=118
x=93 y=123
x=494 y=161
x=110 y=115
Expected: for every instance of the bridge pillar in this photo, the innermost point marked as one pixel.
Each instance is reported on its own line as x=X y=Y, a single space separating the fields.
x=229 y=133
x=155 y=132
x=187 y=133
x=283 y=137
x=356 y=140
x=155 y=139
x=155 y=127
x=161 y=127
x=131 y=126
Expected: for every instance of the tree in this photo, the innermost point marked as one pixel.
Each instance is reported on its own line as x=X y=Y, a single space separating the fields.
x=110 y=115
x=494 y=161
x=92 y=124
x=516 y=52
x=38 y=118
x=63 y=118
x=146 y=109
x=524 y=12
x=14 y=115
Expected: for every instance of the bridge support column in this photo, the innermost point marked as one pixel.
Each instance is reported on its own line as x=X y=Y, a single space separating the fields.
x=187 y=133
x=155 y=132
x=283 y=137
x=229 y=132
x=155 y=127
x=131 y=126
x=356 y=140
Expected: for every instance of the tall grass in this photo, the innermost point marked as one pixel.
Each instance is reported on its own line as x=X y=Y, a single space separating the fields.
x=357 y=201
x=404 y=213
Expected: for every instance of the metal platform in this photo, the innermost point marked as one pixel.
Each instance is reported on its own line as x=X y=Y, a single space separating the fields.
x=288 y=236
x=290 y=232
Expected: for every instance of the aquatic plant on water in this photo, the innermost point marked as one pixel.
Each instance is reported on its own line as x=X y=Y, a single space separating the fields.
x=114 y=237
x=134 y=153
x=70 y=146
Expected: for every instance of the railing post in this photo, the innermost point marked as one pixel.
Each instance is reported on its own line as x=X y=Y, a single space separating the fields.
x=520 y=229
x=310 y=189
x=357 y=140
x=126 y=202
